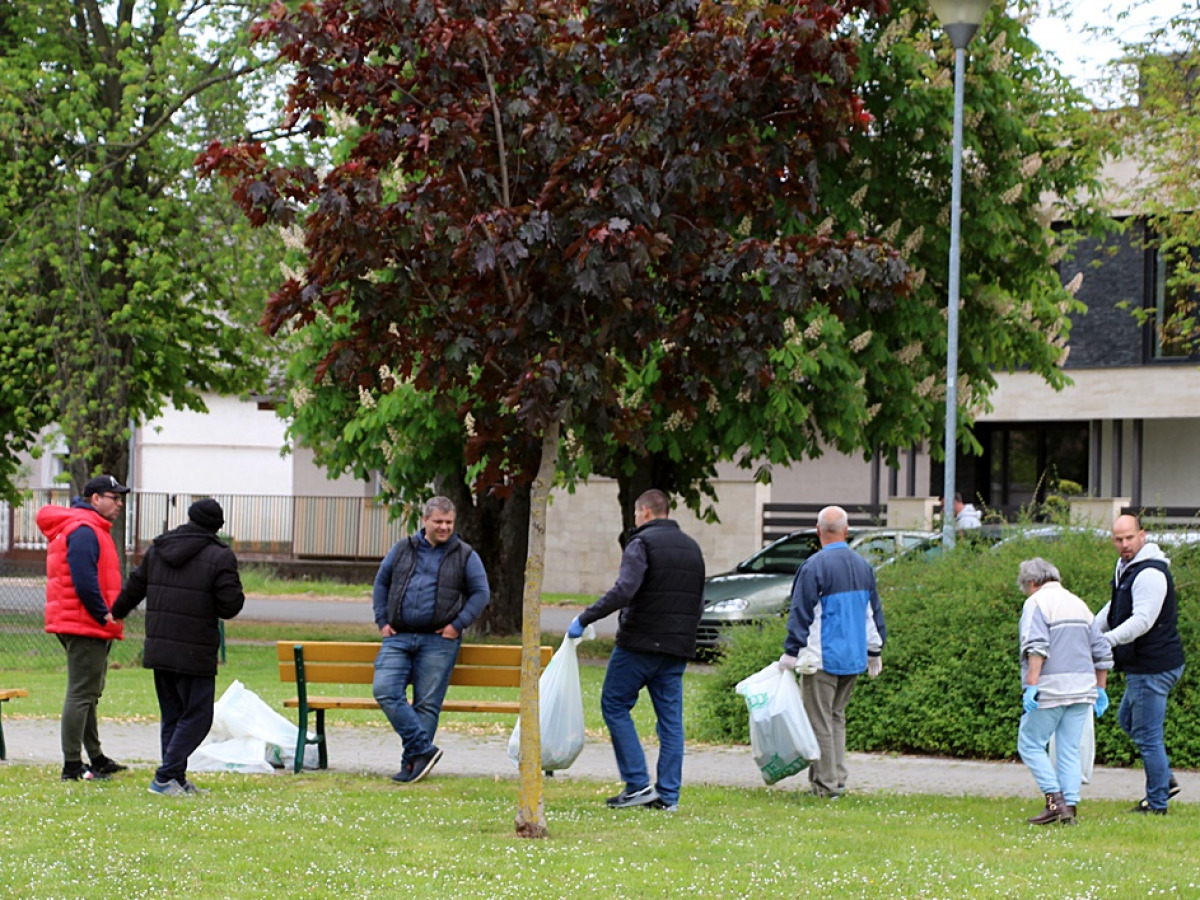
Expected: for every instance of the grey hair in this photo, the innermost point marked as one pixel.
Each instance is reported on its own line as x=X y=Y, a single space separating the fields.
x=437 y=504
x=1036 y=572
x=833 y=520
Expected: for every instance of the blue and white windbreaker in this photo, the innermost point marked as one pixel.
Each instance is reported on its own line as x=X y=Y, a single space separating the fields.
x=836 y=612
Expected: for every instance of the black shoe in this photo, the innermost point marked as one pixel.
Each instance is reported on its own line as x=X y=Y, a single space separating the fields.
x=423 y=765
x=643 y=797
x=1145 y=808
x=662 y=804
x=80 y=772
x=404 y=776
x=1172 y=787
x=102 y=765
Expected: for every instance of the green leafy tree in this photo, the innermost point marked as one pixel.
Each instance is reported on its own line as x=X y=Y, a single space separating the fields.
x=1159 y=74
x=545 y=199
x=126 y=283
x=873 y=379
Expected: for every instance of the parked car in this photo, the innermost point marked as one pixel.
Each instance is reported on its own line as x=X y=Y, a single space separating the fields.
x=760 y=586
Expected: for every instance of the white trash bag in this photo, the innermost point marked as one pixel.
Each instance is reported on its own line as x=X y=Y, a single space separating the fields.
x=1087 y=749
x=560 y=709
x=248 y=736
x=780 y=734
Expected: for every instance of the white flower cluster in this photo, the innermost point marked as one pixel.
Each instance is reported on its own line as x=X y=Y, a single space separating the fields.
x=813 y=331
x=1031 y=165
x=469 y=424
x=913 y=242
x=892 y=232
x=1012 y=195
x=918 y=279
x=713 y=404
x=743 y=396
x=1073 y=286
x=858 y=196
x=911 y=353
x=860 y=341
x=293 y=237
x=366 y=398
x=675 y=421
x=300 y=394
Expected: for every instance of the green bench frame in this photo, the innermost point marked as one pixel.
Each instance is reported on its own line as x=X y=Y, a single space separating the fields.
x=7 y=694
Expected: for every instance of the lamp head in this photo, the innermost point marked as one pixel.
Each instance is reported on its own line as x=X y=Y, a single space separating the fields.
x=960 y=18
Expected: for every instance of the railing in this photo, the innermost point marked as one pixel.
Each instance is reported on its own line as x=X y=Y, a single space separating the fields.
x=781 y=519
x=256 y=525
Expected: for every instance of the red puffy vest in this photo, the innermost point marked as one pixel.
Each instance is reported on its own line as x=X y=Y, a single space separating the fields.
x=65 y=612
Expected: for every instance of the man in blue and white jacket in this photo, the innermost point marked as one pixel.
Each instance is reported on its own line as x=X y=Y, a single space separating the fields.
x=835 y=633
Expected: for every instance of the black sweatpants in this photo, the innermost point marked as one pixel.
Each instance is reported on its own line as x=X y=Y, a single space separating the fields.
x=186 y=703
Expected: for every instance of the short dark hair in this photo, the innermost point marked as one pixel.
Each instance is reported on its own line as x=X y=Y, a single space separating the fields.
x=655 y=501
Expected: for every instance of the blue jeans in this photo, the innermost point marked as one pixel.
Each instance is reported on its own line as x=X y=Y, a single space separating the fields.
x=1065 y=724
x=662 y=676
x=425 y=661
x=1141 y=716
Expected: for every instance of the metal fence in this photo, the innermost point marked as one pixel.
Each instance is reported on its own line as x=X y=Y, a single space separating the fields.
x=255 y=525
x=23 y=642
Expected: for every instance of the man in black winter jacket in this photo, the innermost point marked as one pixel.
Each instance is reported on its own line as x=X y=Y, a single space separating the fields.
x=189 y=579
x=660 y=593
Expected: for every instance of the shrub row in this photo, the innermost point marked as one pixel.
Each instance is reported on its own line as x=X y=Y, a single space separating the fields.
x=951 y=678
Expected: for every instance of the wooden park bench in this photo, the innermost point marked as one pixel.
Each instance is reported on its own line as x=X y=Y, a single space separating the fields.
x=353 y=662
x=7 y=694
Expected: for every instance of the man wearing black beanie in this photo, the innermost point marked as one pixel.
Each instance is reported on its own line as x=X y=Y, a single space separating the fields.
x=189 y=579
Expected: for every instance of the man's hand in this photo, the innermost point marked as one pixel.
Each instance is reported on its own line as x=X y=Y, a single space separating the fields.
x=874 y=666
x=787 y=662
x=1029 y=701
x=1101 y=703
x=387 y=630
x=449 y=632
x=575 y=629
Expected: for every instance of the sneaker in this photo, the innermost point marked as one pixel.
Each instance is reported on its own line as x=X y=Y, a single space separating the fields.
x=1172 y=787
x=1145 y=808
x=660 y=803
x=80 y=772
x=404 y=776
x=423 y=765
x=102 y=765
x=190 y=788
x=170 y=788
x=627 y=798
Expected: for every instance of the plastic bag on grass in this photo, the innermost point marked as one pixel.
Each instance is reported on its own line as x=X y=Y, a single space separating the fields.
x=243 y=721
x=780 y=734
x=560 y=709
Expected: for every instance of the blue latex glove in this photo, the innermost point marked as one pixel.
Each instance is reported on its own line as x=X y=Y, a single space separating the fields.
x=575 y=629
x=1101 y=701
x=1030 y=700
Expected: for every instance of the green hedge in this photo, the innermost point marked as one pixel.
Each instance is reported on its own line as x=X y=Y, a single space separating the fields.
x=951 y=677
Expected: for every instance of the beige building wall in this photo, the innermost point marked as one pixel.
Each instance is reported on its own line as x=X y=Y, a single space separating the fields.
x=582 y=553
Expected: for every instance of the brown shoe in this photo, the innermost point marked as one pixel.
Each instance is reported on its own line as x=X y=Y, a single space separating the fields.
x=1055 y=811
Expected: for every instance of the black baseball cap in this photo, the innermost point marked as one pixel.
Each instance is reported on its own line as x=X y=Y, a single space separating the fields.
x=103 y=484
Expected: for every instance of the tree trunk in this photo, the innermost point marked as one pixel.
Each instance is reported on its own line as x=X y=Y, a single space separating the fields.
x=498 y=529
x=531 y=812
x=114 y=461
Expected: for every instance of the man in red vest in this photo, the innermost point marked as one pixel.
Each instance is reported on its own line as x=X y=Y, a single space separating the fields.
x=83 y=579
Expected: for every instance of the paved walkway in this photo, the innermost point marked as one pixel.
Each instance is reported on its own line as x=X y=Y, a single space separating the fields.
x=375 y=751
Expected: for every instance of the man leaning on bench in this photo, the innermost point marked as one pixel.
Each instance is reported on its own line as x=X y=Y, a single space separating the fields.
x=430 y=587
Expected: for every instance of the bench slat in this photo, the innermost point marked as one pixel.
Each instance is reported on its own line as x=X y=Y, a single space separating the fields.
x=13 y=693
x=357 y=673
x=479 y=706
x=365 y=652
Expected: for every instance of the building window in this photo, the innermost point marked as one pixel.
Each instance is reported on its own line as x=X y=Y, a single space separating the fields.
x=1175 y=305
x=1023 y=464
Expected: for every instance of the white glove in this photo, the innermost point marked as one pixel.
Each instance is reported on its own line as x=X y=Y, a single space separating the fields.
x=806 y=661
x=787 y=662
x=874 y=666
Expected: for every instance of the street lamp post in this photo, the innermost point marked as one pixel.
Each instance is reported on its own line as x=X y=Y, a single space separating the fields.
x=960 y=20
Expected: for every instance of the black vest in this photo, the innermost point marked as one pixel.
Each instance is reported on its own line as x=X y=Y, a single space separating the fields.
x=451 y=584
x=665 y=612
x=1159 y=649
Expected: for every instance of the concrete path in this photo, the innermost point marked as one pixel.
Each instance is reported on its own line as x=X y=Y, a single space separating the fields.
x=376 y=751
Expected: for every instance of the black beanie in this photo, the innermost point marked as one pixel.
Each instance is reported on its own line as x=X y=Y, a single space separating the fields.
x=207 y=514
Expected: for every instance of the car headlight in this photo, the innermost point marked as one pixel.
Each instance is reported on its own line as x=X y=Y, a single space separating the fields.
x=733 y=604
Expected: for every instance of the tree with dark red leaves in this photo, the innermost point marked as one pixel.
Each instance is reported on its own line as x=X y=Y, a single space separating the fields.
x=537 y=202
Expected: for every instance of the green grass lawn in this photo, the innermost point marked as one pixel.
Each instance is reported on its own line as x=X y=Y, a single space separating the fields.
x=335 y=835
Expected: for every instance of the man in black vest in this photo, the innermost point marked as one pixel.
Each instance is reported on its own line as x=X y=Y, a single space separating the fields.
x=430 y=587
x=1140 y=622
x=660 y=593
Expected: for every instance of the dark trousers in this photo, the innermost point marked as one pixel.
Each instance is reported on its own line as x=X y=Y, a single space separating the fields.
x=186 y=703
